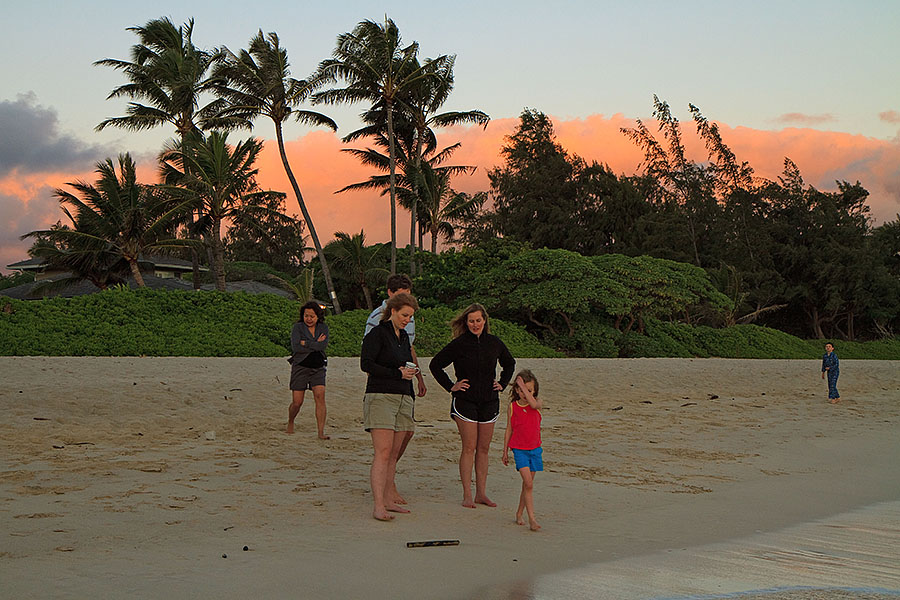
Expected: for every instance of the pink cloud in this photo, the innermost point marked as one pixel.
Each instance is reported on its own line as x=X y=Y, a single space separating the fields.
x=321 y=169
x=889 y=116
x=804 y=119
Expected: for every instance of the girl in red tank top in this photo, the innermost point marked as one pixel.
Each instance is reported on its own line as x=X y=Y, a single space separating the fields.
x=523 y=437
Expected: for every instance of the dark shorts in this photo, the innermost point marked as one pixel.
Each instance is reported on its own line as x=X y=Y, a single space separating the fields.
x=304 y=378
x=475 y=412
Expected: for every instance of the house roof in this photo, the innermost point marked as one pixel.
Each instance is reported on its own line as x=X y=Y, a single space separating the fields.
x=82 y=288
x=164 y=262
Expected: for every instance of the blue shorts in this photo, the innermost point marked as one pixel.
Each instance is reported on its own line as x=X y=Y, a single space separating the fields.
x=529 y=458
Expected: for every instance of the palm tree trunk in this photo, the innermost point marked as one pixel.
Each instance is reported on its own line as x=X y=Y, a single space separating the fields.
x=413 y=212
x=393 y=185
x=312 y=230
x=218 y=254
x=136 y=272
x=434 y=236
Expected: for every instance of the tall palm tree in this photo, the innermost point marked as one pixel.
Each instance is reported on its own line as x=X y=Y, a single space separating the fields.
x=116 y=217
x=170 y=75
x=257 y=82
x=424 y=101
x=216 y=179
x=378 y=69
x=358 y=261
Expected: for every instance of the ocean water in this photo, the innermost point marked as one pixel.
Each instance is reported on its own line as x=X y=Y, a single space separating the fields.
x=854 y=555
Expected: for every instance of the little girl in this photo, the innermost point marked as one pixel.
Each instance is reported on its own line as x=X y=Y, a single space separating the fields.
x=523 y=435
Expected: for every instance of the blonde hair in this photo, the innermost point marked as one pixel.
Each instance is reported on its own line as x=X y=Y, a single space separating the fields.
x=459 y=324
x=526 y=376
x=396 y=302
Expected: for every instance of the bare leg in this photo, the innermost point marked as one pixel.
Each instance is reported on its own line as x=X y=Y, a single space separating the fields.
x=393 y=493
x=527 y=499
x=482 y=460
x=469 y=434
x=319 y=396
x=382 y=442
x=390 y=484
x=294 y=408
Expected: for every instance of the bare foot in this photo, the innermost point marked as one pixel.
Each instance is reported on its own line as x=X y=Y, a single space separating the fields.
x=485 y=500
x=520 y=520
x=290 y=427
x=468 y=504
x=535 y=526
x=396 y=509
x=835 y=400
x=394 y=496
x=382 y=516
x=322 y=436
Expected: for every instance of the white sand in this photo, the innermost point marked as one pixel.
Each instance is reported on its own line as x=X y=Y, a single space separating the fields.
x=109 y=487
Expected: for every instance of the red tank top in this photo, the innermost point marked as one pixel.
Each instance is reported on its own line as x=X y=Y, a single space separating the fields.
x=526 y=427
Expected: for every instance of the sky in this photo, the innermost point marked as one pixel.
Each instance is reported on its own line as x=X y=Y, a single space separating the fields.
x=815 y=81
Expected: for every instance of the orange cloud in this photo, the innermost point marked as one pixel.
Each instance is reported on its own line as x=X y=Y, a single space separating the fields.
x=321 y=168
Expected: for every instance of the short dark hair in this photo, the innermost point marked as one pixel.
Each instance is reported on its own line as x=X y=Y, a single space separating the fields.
x=399 y=281
x=316 y=308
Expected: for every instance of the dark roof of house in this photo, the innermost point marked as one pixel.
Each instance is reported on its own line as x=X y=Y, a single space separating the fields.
x=174 y=264
x=82 y=288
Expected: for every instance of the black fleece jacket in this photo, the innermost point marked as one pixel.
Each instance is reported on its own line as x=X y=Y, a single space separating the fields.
x=382 y=355
x=474 y=358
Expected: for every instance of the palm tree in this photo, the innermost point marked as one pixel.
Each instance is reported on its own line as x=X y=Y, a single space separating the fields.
x=218 y=180
x=442 y=209
x=170 y=75
x=424 y=102
x=357 y=260
x=116 y=217
x=257 y=82
x=376 y=69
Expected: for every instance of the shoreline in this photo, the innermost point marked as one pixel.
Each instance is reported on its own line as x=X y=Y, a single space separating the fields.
x=136 y=499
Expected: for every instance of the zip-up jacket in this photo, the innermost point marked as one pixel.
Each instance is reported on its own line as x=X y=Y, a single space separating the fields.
x=474 y=358
x=382 y=355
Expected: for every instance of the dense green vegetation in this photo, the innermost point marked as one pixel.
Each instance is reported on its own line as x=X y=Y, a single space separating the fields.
x=122 y=322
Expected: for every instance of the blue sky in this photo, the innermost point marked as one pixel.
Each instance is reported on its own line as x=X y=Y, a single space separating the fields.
x=743 y=63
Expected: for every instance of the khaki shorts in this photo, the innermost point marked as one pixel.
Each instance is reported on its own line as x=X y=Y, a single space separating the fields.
x=388 y=411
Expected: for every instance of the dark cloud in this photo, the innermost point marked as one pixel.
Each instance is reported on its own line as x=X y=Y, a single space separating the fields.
x=804 y=119
x=32 y=141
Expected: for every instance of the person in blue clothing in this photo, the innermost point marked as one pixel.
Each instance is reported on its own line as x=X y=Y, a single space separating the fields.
x=831 y=368
x=309 y=338
x=475 y=405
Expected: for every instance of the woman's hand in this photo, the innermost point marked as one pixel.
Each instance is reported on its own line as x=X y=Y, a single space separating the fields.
x=302 y=342
x=823 y=374
x=462 y=384
x=505 y=458
x=407 y=373
x=497 y=387
x=321 y=338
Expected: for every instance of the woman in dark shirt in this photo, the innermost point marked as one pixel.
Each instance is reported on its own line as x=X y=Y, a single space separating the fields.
x=388 y=403
x=309 y=338
x=475 y=406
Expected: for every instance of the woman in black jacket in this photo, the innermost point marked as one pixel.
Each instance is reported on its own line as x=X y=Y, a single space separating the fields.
x=475 y=406
x=386 y=356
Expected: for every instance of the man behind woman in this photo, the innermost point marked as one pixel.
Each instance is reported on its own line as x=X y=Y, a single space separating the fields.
x=388 y=403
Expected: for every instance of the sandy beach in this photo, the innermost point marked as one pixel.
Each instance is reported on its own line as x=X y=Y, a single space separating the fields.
x=148 y=477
